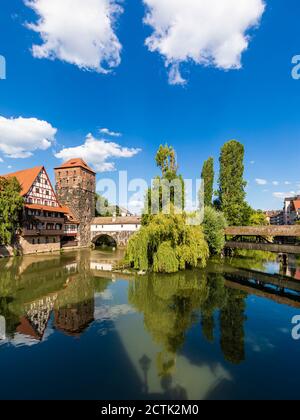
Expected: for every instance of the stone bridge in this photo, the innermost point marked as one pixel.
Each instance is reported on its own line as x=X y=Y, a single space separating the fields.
x=120 y=229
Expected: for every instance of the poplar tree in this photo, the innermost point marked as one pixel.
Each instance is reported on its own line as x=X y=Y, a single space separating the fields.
x=208 y=178
x=232 y=184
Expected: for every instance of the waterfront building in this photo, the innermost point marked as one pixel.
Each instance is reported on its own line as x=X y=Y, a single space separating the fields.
x=291 y=210
x=275 y=217
x=44 y=219
x=76 y=189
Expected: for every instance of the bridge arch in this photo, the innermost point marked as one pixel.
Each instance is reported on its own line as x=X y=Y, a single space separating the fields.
x=105 y=239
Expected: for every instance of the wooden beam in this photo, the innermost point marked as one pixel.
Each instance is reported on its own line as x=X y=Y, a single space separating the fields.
x=287 y=231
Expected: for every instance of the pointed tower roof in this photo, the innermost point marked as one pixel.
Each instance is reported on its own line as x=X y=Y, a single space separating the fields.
x=26 y=178
x=76 y=163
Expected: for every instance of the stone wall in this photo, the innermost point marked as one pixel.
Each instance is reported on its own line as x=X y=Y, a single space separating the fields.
x=6 y=251
x=76 y=188
x=25 y=246
x=121 y=238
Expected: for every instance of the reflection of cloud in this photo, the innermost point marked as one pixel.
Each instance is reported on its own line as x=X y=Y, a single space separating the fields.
x=106 y=295
x=259 y=344
x=111 y=313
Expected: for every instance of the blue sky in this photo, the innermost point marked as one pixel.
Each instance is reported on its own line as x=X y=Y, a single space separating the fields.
x=257 y=104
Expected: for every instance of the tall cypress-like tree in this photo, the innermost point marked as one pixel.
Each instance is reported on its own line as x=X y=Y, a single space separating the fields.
x=208 y=178
x=232 y=184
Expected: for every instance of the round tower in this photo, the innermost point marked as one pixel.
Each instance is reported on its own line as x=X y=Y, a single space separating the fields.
x=76 y=188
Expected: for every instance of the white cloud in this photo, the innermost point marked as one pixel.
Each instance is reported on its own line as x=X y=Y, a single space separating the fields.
x=19 y=137
x=261 y=181
x=283 y=195
x=276 y=183
x=1 y=160
x=110 y=133
x=207 y=32
x=252 y=162
x=80 y=32
x=287 y=183
x=98 y=153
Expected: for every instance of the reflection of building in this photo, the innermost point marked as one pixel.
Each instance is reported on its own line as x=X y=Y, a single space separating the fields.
x=73 y=320
x=34 y=323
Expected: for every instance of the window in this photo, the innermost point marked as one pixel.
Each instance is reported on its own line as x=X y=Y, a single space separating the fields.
x=37 y=190
x=54 y=240
x=33 y=241
x=47 y=192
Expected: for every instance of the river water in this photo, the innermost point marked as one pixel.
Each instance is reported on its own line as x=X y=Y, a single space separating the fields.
x=70 y=329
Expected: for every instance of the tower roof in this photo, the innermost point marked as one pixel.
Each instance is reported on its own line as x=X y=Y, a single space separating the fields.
x=76 y=163
x=26 y=177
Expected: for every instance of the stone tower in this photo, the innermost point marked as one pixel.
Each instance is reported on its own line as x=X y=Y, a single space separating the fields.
x=76 y=188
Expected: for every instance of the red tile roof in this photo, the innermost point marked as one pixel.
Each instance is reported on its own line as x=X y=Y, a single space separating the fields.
x=26 y=177
x=76 y=163
x=296 y=204
x=64 y=210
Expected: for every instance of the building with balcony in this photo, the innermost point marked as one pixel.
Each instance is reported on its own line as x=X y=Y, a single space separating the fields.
x=45 y=224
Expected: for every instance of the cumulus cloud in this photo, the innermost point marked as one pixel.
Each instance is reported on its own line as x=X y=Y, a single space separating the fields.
x=206 y=32
x=261 y=181
x=1 y=160
x=20 y=137
x=80 y=32
x=98 y=153
x=110 y=133
x=276 y=183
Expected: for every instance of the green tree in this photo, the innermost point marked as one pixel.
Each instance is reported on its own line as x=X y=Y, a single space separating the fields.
x=11 y=205
x=169 y=186
x=166 y=160
x=208 y=178
x=167 y=244
x=258 y=218
x=214 y=225
x=231 y=183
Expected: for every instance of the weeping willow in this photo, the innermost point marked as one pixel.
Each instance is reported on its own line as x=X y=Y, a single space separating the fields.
x=166 y=245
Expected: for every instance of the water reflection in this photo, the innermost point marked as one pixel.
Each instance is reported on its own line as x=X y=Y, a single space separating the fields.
x=180 y=336
x=172 y=305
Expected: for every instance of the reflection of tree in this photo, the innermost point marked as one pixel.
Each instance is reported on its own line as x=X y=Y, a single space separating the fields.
x=232 y=320
x=170 y=304
x=253 y=260
x=216 y=299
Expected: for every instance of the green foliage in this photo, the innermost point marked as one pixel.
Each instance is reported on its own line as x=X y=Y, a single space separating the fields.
x=258 y=218
x=165 y=260
x=214 y=225
x=232 y=185
x=168 y=189
x=167 y=244
x=208 y=178
x=170 y=306
x=104 y=208
x=166 y=160
x=11 y=205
